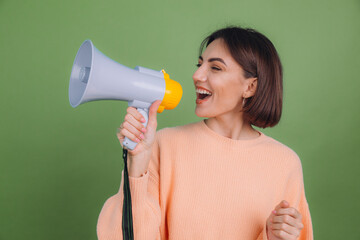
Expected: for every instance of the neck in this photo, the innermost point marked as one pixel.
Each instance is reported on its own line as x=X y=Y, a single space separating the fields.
x=232 y=126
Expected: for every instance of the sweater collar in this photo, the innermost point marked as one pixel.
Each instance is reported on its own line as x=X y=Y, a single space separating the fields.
x=231 y=142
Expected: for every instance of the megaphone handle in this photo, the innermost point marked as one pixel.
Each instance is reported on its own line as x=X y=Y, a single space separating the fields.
x=131 y=144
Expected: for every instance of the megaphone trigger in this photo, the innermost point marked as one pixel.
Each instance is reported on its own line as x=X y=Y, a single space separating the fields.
x=131 y=144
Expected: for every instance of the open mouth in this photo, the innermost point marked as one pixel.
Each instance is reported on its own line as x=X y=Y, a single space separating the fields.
x=202 y=94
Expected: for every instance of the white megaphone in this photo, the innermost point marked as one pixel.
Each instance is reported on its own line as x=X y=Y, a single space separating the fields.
x=94 y=76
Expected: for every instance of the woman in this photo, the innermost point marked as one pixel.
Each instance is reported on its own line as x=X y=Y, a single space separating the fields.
x=218 y=178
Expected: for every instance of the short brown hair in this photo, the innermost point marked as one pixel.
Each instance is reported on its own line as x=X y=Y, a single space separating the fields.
x=258 y=58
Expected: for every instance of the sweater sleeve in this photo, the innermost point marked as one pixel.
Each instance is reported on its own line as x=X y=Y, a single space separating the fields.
x=263 y=235
x=307 y=231
x=295 y=195
x=145 y=207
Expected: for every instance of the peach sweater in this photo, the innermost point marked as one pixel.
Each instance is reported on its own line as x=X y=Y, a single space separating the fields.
x=201 y=185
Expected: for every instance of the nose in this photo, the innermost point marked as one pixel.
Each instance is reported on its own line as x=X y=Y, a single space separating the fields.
x=199 y=75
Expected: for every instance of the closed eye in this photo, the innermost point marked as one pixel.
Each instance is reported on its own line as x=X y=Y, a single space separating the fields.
x=215 y=68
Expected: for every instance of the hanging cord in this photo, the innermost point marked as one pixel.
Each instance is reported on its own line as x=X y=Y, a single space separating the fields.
x=127 y=222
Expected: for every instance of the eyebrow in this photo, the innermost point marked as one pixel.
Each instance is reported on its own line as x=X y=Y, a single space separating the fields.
x=213 y=59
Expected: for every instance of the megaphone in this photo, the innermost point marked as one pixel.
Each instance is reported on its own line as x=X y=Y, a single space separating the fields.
x=94 y=76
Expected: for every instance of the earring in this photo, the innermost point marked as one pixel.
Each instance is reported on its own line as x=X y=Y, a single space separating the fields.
x=243 y=102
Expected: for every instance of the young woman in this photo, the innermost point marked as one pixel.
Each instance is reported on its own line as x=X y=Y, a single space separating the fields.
x=218 y=178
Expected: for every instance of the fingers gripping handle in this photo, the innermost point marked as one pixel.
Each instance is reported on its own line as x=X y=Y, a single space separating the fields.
x=127 y=142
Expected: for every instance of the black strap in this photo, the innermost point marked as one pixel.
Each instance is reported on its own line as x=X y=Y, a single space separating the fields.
x=127 y=222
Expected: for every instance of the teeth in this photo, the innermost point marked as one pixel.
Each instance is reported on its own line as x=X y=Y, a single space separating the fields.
x=202 y=91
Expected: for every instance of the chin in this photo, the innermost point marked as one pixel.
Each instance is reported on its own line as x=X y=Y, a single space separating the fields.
x=199 y=113
x=202 y=113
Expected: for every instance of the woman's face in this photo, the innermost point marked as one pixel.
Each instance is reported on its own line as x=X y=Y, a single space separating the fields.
x=219 y=82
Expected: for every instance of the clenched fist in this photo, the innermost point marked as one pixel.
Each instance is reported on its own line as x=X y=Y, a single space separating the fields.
x=284 y=223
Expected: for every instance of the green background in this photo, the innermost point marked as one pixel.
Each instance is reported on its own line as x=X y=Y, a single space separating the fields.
x=60 y=164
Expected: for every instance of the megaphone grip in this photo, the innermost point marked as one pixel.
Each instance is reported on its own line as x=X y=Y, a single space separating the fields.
x=131 y=144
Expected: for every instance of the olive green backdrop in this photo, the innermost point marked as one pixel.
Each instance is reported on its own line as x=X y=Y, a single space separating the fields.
x=59 y=164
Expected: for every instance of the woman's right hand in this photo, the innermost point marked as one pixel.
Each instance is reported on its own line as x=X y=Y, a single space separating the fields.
x=133 y=129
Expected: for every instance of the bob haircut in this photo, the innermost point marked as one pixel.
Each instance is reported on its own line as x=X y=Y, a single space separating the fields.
x=258 y=58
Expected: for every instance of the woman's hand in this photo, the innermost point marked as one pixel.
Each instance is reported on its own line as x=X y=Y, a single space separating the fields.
x=133 y=129
x=284 y=222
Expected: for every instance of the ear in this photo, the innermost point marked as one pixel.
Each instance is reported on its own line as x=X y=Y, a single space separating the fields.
x=251 y=87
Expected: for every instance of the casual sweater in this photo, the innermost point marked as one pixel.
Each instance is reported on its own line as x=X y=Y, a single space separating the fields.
x=201 y=185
